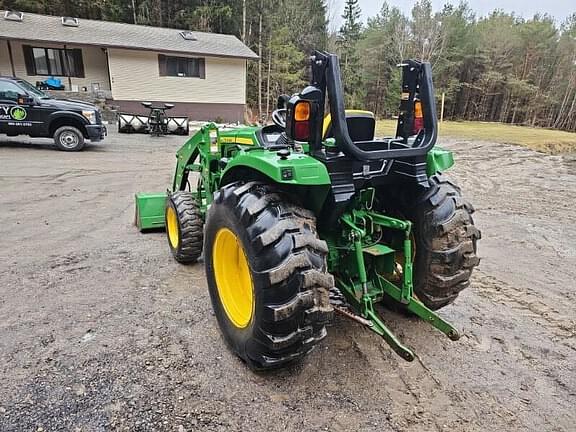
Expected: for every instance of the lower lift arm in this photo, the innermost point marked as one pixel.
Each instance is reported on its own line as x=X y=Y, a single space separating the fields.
x=371 y=285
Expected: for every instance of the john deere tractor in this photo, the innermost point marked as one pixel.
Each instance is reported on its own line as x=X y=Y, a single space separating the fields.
x=312 y=215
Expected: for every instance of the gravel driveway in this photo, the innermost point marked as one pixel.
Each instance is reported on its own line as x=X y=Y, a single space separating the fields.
x=101 y=330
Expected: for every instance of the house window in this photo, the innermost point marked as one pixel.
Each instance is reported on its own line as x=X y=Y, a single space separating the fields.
x=181 y=66
x=54 y=61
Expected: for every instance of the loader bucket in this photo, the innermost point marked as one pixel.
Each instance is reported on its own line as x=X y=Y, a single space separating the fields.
x=150 y=209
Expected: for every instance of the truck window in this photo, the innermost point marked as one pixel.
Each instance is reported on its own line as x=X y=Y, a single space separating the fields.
x=33 y=90
x=9 y=92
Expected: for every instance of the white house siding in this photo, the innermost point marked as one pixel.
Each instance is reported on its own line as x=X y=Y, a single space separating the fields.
x=94 y=58
x=136 y=76
x=4 y=59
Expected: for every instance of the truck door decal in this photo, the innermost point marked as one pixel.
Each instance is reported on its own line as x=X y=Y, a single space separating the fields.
x=18 y=113
x=14 y=115
x=12 y=112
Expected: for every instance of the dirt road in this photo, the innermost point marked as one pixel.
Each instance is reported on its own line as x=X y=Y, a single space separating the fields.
x=101 y=330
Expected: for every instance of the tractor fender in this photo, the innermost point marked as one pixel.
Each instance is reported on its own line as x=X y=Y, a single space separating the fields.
x=294 y=169
x=438 y=160
x=307 y=177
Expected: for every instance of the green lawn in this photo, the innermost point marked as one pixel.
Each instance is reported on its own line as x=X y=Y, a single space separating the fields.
x=544 y=140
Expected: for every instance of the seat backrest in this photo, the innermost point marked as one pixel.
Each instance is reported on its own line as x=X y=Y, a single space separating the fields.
x=361 y=125
x=269 y=135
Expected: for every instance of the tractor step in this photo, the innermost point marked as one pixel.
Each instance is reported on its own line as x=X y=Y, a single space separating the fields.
x=150 y=208
x=378 y=250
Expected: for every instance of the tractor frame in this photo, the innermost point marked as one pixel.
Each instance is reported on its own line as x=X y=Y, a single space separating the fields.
x=366 y=270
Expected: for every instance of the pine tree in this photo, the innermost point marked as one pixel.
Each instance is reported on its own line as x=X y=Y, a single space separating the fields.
x=496 y=68
x=379 y=56
x=348 y=37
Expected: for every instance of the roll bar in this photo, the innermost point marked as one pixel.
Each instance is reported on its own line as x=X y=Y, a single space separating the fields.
x=417 y=80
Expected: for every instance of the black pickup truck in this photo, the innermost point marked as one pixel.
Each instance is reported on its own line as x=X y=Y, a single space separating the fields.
x=25 y=110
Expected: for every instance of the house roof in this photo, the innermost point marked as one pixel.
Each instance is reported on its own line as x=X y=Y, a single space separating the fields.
x=44 y=28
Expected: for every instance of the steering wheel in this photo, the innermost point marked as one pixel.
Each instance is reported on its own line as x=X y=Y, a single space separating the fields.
x=279 y=114
x=279 y=117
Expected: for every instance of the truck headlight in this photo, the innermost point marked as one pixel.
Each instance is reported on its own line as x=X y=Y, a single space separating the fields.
x=90 y=116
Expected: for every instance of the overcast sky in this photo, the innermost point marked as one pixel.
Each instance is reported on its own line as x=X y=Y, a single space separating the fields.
x=560 y=9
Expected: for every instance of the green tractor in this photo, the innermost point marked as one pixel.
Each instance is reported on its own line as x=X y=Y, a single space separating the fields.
x=312 y=215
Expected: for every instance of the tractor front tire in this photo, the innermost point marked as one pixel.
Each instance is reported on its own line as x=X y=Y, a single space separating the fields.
x=184 y=227
x=267 y=274
x=445 y=242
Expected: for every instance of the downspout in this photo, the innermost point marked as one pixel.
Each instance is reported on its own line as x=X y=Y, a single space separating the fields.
x=68 y=68
x=11 y=58
x=106 y=52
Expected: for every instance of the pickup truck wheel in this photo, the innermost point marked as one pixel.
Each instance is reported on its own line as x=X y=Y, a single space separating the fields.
x=69 y=138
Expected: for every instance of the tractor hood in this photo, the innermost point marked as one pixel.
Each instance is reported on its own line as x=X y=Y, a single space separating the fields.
x=242 y=136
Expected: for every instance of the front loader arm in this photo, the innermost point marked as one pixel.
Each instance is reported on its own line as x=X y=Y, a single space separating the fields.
x=199 y=144
x=150 y=207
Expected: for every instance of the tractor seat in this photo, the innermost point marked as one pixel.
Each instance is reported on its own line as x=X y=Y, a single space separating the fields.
x=270 y=135
x=361 y=125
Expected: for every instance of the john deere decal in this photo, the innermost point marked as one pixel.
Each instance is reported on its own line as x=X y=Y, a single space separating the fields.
x=18 y=113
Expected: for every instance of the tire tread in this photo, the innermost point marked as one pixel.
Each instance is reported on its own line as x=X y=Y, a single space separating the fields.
x=191 y=227
x=296 y=304
x=446 y=250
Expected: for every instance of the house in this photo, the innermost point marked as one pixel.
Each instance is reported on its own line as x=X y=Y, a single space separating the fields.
x=203 y=74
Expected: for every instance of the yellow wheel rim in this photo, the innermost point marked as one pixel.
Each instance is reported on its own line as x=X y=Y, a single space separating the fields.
x=233 y=278
x=172 y=227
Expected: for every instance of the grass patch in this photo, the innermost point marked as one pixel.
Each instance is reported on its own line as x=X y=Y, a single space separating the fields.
x=545 y=140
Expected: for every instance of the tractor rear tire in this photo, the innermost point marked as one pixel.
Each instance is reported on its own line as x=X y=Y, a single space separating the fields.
x=184 y=227
x=267 y=274
x=446 y=239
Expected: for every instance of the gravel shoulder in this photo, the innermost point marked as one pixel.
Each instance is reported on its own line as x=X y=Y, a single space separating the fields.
x=101 y=330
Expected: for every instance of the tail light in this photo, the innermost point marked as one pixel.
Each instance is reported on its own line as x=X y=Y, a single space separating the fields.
x=418 y=118
x=301 y=126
